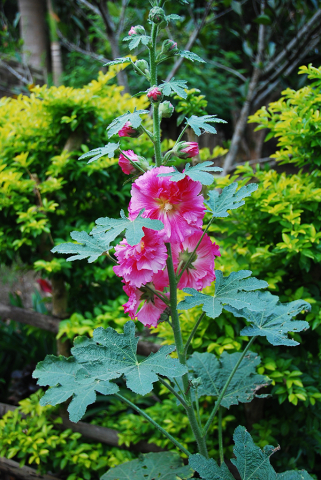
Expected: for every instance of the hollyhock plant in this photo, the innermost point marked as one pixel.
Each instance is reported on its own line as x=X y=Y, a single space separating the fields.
x=128 y=131
x=200 y=272
x=179 y=205
x=137 y=264
x=150 y=312
x=154 y=94
x=125 y=164
x=186 y=149
x=137 y=30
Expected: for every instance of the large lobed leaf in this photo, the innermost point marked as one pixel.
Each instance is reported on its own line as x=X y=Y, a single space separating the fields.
x=214 y=373
x=160 y=466
x=202 y=124
x=133 y=228
x=190 y=56
x=175 y=86
x=119 y=122
x=135 y=40
x=251 y=462
x=95 y=362
x=88 y=247
x=199 y=173
x=236 y=290
x=97 y=153
x=118 y=61
x=274 y=320
x=229 y=199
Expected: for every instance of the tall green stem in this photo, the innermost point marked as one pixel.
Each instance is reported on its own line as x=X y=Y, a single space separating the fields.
x=218 y=401
x=220 y=435
x=181 y=354
x=190 y=338
x=153 y=82
x=144 y=414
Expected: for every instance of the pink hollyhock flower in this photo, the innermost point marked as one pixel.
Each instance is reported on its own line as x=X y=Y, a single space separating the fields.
x=125 y=164
x=178 y=205
x=200 y=272
x=138 y=263
x=155 y=94
x=128 y=131
x=153 y=307
x=186 y=149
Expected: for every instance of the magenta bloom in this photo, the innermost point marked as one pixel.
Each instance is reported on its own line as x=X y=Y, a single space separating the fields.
x=200 y=272
x=128 y=131
x=132 y=31
x=138 y=264
x=125 y=164
x=153 y=307
x=186 y=149
x=178 y=205
x=155 y=94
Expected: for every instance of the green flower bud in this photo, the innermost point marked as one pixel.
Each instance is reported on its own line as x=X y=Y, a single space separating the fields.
x=143 y=66
x=157 y=15
x=166 y=109
x=169 y=47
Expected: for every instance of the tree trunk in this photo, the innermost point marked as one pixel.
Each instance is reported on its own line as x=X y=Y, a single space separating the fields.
x=33 y=32
x=56 y=59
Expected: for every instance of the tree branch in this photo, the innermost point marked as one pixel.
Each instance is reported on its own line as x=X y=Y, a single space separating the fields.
x=190 y=42
x=72 y=47
x=241 y=122
x=228 y=69
x=121 y=23
x=90 y=6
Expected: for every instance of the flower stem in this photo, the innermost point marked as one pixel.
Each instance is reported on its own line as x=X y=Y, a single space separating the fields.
x=218 y=401
x=220 y=435
x=158 y=294
x=171 y=389
x=190 y=338
x=135 y=164
x=161 y=429
x=153 y=81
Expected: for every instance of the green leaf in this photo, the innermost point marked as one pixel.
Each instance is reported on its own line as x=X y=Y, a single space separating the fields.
x=294 y=475
x=273 y=321
x=208 y=468
x=118 y=61
x=160 y=466
x=263 y=19
x=214 y=373
x=97 y=153
x=175 y=86
x=88 y=247
x=95 y=362
x=190 y=56
x=173 y=17
x=199 y=173
x=202 y=124
x=237 y=7
x=229 y=199
x=135 y=40
x=236 y=289
x=252 y=462
x=119 y=122
x=133 y=228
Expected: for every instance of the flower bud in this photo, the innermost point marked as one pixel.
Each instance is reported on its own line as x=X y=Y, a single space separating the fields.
x=186 y=150
x=154 y=94
x=143 y=66
x=128 y=167
x=157 y=15
x=169 y=48
x=129 y=131
x=137 y=30
x=166 y=109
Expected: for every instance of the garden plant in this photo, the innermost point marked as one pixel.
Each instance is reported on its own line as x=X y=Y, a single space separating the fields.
x=167 y=264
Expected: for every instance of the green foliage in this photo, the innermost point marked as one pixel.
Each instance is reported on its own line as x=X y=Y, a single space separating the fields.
x=200 y=173
x=96 y=362
x=163 y=466
x=236 y=290
x=295 y=121
x=118 y=123
x=229 y=199
x=202 y=124
x=37 y=441
x=214 y=372
x=108 y=150
x=87 y=247
x=191 y=56
x=192 y=105
x=175 y=86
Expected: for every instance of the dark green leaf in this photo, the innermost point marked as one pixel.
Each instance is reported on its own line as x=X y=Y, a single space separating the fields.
x=274 y=320
x=237 y=7
x=202 y=124
x=229 y=199
x=135 y=40
x=95 y=362
x=199 y=173
x=173 y=17
x=118 y=61
x=152 y=466
x=115 y=226
x=263 y=19
x=119 y=122
x=97 y=153
x=190 y=56
x=236 y=289
x=208 y=468
x=294 y=475
x=175 y=86
x=214 y=373
x=91 y=247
